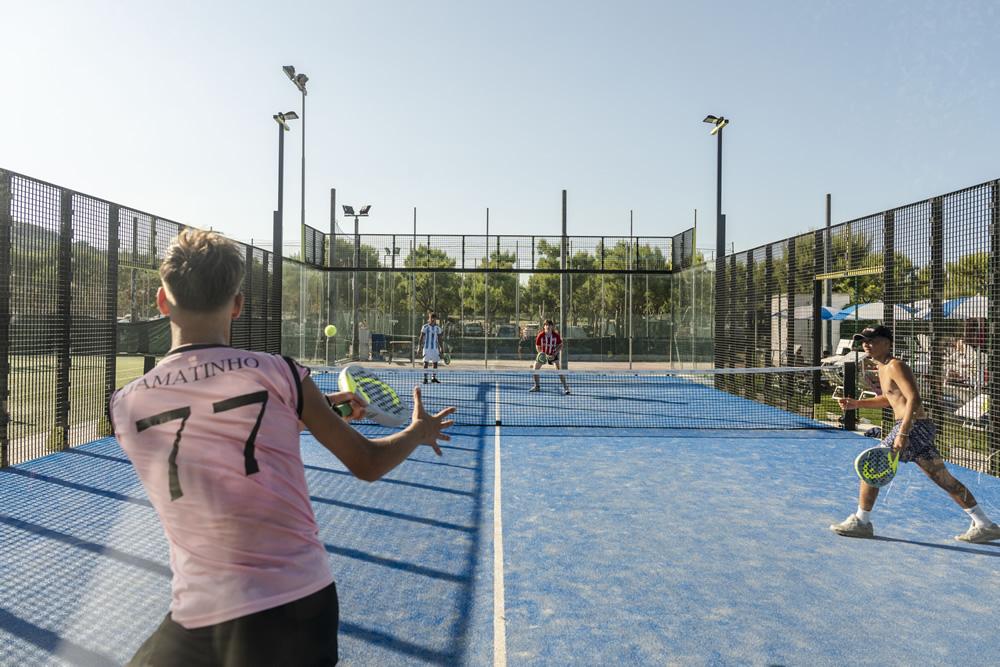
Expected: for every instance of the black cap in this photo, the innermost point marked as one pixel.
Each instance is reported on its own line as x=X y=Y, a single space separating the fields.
x=881 y=331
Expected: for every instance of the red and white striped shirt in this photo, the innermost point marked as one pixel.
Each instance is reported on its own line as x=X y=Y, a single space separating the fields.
x=548 y=342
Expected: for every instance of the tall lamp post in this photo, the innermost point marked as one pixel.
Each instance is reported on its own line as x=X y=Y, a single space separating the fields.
x=717 y=123
x=276 y=243
x=361 y=213
x=300 y=80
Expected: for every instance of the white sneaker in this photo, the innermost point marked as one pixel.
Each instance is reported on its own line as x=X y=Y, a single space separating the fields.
x=535 y=388
x=980 y=534
x=852 y=526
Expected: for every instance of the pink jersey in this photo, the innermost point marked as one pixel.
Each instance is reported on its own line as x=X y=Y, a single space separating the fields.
x=213 y=433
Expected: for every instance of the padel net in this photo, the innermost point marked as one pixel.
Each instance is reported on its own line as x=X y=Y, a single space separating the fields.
x=732 y=398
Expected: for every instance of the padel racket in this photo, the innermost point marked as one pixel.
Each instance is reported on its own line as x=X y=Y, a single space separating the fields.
x=446 y=357
x=384 y=404
x=542 y=358
x=877 y=466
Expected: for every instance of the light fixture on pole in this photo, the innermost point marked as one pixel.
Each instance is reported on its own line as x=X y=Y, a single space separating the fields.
x=361 y=213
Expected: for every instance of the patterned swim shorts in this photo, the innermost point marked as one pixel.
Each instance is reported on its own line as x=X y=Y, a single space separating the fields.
x=920 y=444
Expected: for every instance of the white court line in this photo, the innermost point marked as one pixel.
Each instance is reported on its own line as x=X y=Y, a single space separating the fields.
x=499 y=620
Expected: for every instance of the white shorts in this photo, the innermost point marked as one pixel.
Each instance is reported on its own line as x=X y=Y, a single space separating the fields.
x=432 y=356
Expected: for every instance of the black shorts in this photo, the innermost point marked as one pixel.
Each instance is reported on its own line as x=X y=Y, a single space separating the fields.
x=302 y=632
x=553 y=361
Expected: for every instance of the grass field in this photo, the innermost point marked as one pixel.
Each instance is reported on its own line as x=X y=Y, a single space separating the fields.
x=33 y=390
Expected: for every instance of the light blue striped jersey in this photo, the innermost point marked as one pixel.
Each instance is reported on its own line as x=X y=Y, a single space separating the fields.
x=432 y=336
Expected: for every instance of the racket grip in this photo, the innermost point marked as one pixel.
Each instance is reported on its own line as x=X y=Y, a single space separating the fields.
x=342 y=409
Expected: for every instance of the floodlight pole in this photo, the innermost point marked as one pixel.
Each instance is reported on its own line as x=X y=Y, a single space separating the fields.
x=356 y=291
x=628 y=296
x=720 y=226
x=278 y=221
x=826 y=269
x=564 y=250
x=486 y=296
x=718 y=123
x=355 y=335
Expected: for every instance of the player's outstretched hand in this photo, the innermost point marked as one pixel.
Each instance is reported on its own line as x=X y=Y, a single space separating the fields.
x=430 y=428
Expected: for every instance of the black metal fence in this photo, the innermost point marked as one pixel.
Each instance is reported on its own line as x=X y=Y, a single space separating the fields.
x=78 y=317
x=929 y=270
x=625 y=302
x=77 y=310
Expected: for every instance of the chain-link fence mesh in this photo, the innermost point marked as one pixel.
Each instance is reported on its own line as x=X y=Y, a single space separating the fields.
x=78 y=316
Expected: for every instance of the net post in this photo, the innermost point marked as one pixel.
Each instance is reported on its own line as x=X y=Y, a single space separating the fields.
x=6 y=272
x=850 y=390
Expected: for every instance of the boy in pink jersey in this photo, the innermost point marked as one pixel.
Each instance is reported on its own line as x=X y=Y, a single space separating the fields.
x=213 y=433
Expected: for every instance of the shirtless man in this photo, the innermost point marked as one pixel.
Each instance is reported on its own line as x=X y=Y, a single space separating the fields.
x=912 y=437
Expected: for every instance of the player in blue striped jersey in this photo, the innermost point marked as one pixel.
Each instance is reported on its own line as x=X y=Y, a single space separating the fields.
x=430 y=341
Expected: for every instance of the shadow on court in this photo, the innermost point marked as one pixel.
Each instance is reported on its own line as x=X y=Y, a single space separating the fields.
x=84 y=567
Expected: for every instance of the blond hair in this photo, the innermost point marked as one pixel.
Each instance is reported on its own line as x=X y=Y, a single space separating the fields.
x=202 y=270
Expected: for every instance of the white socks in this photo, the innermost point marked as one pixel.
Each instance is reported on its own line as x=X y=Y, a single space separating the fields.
x=978 y=516
x=865 y=515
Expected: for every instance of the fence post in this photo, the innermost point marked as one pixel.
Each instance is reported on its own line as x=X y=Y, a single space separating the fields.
x=769 y=296
x=790 y=311
x=750 y=315
x=6 y=272
x=850 y=391
x=59 y=438
x=993 y=361
x=110 y=317
x=819 y=252
x=890 y=289
x=937 y=314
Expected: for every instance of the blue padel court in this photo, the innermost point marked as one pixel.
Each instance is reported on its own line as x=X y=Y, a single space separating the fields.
x=583 y=546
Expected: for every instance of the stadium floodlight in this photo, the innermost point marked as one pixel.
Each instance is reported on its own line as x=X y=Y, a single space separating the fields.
x=718 y=121
x=365 y=209
x=348 y=210
x=283 y=118
x=299 y=79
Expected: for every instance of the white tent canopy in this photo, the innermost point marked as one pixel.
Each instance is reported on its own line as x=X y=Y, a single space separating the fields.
x=872 y=311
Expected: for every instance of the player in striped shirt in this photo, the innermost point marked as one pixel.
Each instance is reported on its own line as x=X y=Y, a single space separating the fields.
x=549 y=342
x=430 y=342
x=213 y=434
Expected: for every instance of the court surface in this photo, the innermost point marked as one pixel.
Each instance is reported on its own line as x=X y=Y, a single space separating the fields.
x=641 y=547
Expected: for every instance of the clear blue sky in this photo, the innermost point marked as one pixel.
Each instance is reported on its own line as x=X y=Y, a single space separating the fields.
x=451 y=107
